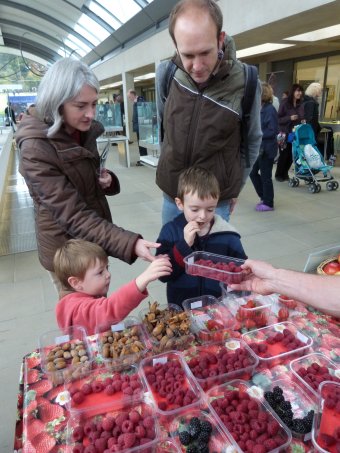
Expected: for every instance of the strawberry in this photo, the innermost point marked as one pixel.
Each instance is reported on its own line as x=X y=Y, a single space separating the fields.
x=34 y=427
x=28 y=448
x=33 y=360
x=48 y=412
x=43 y=443
x=41 y=387
x=32 y=376
x=283 y=314
x=54 y=392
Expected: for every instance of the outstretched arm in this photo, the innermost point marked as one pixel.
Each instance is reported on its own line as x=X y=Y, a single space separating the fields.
x=321 y=292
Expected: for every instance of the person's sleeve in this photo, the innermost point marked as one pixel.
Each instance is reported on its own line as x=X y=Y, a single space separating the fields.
x=254 y=133
x=284 y=117
x=308 y=111
x=271 y=129
x=175 y=249
x=90 y=312
x=53 y=190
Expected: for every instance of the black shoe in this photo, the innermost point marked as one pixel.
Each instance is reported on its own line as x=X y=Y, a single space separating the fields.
x=139 y=164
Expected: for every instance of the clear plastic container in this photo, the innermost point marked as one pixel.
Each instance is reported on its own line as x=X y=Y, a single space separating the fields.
x=210 y=319
x=167 y=328
x=252 y=311
x=121 y=344
x=216 y=267
x=105 y=426
x=170 y=383
x=218 y=440
x=105 y=386
x=166 y=446
x=301 y=405
x=288 y=302
x=326 y=426
x=65 y=355
x=300 y=366
x=215 y=363
x=271 y=353
x=240 y=392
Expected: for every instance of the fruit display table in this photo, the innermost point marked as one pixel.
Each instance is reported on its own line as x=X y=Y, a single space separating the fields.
x=42 y=413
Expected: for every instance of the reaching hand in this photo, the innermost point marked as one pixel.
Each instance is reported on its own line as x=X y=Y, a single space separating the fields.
x=260 y=278
x=190 y=231
x=160 y=267
x=142 y=249
x=105 y=179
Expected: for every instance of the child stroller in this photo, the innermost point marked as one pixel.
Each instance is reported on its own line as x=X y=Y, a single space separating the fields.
x=308 y=162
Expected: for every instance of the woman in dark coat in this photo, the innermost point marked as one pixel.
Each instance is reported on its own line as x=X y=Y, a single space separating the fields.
x=261 y=174
x=290 y=114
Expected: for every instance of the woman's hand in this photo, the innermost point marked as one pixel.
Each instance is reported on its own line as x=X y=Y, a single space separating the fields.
x=142 y=249
x=104 y=178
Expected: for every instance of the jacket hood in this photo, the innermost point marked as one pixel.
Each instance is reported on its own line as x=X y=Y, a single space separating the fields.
x=31 y=127
x=221 y=226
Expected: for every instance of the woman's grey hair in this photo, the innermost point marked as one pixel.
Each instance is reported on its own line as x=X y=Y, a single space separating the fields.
x=61 y=83
x=314 y=89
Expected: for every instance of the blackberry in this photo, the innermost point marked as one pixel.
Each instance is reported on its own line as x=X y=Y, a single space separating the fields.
x=184 y=438
x=206 y=426
x=277 y=390
x=194 y=427
x=192 y=449
x=269 y=396
x=202 y=448
x=279 y=399
x=308 y=421
x=203 y=437
x=287 y=420
x=285 y=406
x=298 y=425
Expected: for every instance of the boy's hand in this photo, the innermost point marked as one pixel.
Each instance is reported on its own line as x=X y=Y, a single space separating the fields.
x=190 y=231
x=160 y=267
x=104 y=178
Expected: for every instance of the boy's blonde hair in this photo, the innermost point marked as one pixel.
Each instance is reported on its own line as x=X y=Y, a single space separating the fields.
x=198 y=180
x=74 y=258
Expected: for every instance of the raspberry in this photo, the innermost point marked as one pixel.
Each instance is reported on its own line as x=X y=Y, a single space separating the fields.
x=148 y=422
x=127 y=426
x=117 y=385
x=134 y=416
x=86 y=389
x=128 y=390
x=78 y=397
x=89 y=427
x=162 y=406
x=140 y=432
x=100 y=445
x=270 y=444
x=121 y=418
x=273 y=428
x=259 y=449
x=78 y=448
x=129 y=440
x=90 y=449
x=97 y=387
x=78 y=433
x=109 y=390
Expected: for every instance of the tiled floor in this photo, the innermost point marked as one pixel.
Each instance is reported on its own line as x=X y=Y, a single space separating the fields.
x=301 y=223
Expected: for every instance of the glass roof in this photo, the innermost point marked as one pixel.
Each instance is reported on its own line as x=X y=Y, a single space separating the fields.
x=112 y=14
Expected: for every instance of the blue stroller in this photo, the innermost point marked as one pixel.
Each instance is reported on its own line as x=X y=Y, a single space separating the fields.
x=308 y=162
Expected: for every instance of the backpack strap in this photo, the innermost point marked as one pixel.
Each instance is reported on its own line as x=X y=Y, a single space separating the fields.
x=166 y=82
x=250 y=75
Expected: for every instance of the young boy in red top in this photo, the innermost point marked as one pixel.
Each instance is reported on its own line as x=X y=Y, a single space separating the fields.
x=82 y=268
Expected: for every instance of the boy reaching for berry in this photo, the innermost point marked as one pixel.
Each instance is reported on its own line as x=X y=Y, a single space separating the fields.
x=198 y=228
x=82 y=268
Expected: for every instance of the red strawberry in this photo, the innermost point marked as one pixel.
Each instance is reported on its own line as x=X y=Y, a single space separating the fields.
x=28 y=448
x=48 y=412
x=34 y=427
x=32 y=376
x=43 y=443
x=52 y=394
x=41 y=387
x=33 y=360
x=283 y=314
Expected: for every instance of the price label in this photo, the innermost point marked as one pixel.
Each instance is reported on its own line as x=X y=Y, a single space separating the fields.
x=161 y=360
x=117 y=327
x=300 y=336
x=62 y=339
x=197 y=304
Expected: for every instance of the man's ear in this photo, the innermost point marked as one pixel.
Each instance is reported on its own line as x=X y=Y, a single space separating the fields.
x=221 y=40
x=179 y=204
x=75 y=283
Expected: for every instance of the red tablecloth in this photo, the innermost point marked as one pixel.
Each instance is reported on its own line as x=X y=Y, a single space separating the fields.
x=36 y=389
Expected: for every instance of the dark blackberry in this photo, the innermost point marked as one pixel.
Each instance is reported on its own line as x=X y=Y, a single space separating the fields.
x=299 y=426
x=194 y=427
x=308 y=421
x=285 y=406
x=203 y=437
x=279 y=399
x=277 y=390
x=206 y=426
x=287 y=420
x=184 y=438
x=269 y=396
x=202 y=448
x=192 y=449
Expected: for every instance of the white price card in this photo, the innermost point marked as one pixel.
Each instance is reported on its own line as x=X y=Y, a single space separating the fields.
x=161 y=360
x=196 y=304
x=62 y=339
x=117 y=327
x=300 y=336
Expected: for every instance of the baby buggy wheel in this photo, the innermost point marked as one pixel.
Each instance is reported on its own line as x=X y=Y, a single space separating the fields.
x=314 y=188
x=332 y=185
x=293 y=182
